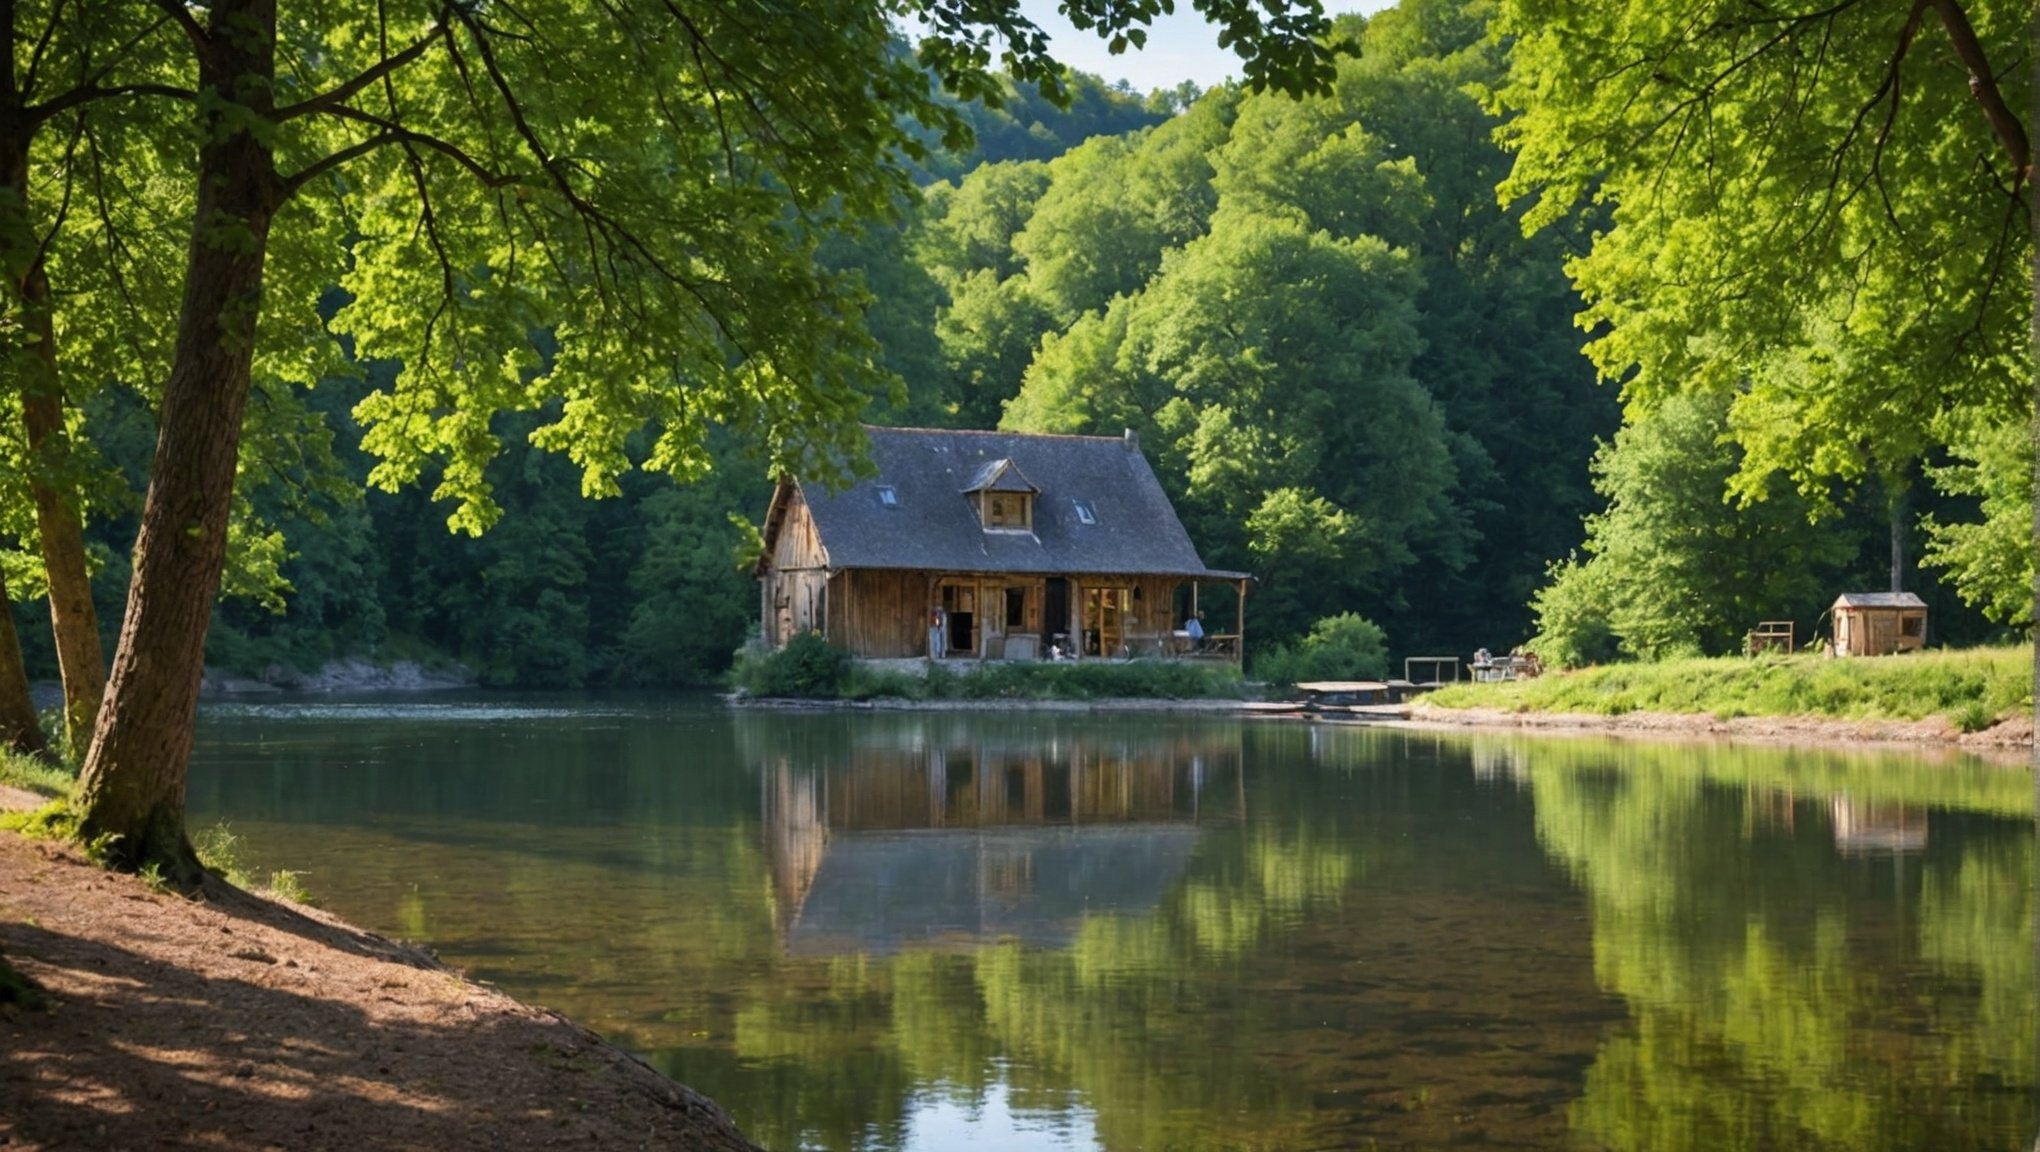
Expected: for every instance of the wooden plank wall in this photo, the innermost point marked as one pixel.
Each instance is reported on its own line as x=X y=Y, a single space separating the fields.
x=884 y=613
x=796 y=580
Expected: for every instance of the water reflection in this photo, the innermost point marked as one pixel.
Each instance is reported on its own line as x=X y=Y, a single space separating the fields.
x=959 y=840
x=1872 y=829
x=1070 y=932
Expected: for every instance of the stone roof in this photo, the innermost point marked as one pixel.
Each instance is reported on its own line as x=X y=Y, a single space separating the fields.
x=1000 y=476
x=934 y=525
x=1878 y=600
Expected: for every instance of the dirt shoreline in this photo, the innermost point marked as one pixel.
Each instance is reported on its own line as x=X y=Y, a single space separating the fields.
x=2008 y=740
x=235 y=1021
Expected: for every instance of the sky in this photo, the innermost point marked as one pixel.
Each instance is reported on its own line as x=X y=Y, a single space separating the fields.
x=1180 y=47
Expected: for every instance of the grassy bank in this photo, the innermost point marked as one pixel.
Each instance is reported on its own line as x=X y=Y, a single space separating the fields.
x=1974 y=688
x=807 y=669
x=34 y=774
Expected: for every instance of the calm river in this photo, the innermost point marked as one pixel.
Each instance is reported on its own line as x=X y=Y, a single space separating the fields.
x=1014 y=930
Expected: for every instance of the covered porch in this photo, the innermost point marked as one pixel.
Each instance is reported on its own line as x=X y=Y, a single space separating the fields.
x=1035 y=616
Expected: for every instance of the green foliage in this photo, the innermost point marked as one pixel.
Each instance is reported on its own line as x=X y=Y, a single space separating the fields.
x=1342 y=647
x=1085 y=680
x=219 y=849
x=1974 y=687
x=1025 y=125
x=1573 y=628
x=284 y=884
x=1017 y=680
x=1990 y=561
x=224 y=854
x=58 y=821
x=44 y=777
x=807 y=667
x=1343 y=357
x=1675 y=565
x=1974 y=716
x=1768 y=231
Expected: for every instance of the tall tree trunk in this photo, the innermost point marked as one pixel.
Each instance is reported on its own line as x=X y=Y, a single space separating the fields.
x=19 y=729
x=72 y=617
x=31 y=361
x=133 y=781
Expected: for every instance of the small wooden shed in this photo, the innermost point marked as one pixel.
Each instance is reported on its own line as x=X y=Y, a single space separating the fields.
x=1879 y=623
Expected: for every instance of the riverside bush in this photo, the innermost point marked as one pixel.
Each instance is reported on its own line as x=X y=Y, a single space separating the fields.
x=1343 y=647
x=1087 y=680
x=808 y=667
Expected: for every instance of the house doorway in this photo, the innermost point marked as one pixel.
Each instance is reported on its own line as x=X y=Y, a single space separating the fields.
x=1105 y=612
x=1055 y=614
x=959 y=610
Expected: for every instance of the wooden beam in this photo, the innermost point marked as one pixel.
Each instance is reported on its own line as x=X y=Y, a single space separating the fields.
x=1240 y=627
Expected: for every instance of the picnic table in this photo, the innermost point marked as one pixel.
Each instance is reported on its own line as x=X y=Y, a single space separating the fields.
x=1221 y=644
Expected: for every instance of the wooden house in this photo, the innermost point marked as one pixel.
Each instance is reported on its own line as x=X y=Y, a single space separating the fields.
x=1879 y=623
x=992 y=545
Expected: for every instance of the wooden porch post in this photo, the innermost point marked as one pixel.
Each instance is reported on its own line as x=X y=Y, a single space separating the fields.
x=1240 y=626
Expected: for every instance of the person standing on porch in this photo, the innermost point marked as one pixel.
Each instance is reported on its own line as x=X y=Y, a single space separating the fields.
x=935 y=630
x=1194 y=629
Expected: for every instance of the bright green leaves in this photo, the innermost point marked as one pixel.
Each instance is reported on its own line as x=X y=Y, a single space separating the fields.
x=1809 y=212
x=1325 y=329
x=1283 y=44
x=1990 y=561
x=1674 y=566
x=622 y=248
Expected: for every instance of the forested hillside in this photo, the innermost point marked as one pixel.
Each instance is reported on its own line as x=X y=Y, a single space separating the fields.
x=1356 y=375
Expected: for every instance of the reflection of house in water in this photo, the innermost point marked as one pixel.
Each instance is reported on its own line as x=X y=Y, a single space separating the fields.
x=1865 y=828
x=1495 y=762
x=971 y=842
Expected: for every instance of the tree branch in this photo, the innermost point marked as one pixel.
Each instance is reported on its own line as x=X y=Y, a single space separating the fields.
x=393 y=133
x=325 y=164
x=42 y=44
x=1984 y=86
x=197 y=34
x=382 y=69
x=88 y=93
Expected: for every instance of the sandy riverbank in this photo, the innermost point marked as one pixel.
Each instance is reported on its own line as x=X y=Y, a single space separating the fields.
x=234 y=1021
x=2008 y=740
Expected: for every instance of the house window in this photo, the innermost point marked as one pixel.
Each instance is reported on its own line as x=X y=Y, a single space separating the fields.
x=887 y=496
x=1911 y=625
x=1008 y=510
x=1085 y=513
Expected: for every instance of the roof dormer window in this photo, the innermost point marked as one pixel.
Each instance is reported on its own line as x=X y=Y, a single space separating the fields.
x=1008 y=510
x=1004 y=497
x=887 y=496
x=1085 y=513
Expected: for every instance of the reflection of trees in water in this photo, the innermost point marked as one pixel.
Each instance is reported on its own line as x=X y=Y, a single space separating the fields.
x=1788 y=990
x=1381 y=947
x=1113 y=1015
